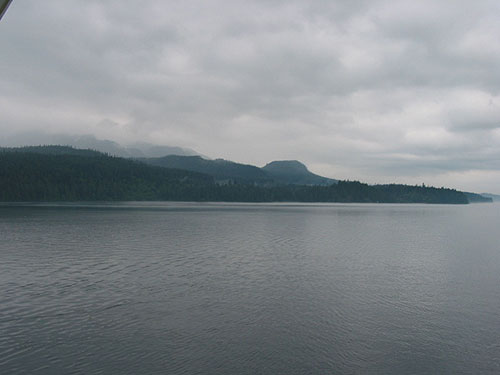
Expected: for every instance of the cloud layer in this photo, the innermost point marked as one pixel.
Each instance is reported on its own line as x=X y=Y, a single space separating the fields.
x=374 y=90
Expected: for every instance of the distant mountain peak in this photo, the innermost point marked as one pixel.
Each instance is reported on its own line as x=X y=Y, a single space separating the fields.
x=286 y=165
x=295 y=172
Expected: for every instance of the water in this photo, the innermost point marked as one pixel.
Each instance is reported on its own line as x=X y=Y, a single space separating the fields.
x=166 y=288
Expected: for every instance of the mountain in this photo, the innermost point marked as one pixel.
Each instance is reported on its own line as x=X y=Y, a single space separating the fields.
x=220 y=169
x=135 y=150
x=290 y=172
x=58 y=173
x=494 y=197
x=295 y=173
x=277 y=172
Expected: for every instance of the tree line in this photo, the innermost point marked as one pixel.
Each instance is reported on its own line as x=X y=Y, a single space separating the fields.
x=54 y=175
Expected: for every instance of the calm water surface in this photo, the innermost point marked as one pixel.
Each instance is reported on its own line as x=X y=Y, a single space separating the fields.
x=169 y=288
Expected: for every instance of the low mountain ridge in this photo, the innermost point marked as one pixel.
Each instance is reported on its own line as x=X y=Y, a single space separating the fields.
x=288 y=172
x=222 y=170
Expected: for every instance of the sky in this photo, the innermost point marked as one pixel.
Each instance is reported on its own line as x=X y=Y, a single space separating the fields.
x=377 y=91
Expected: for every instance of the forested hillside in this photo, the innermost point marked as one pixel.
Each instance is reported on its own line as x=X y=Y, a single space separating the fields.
x=56 y=173
x=285 y=172
x=221 y=170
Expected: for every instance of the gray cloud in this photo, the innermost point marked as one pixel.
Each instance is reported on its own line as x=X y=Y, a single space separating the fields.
x=370 y=90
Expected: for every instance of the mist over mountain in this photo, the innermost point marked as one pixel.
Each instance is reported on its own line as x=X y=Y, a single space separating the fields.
x=493 y=197
x=276 y=172
x=478 y=198
x=88 y=141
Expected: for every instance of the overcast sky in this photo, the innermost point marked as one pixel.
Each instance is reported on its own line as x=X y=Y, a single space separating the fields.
x=379 y=91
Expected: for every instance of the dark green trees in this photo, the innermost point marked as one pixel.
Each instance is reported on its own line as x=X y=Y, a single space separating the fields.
x=55 y=173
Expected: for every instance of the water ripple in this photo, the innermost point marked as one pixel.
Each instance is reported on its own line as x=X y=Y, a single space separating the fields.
x=269 y=289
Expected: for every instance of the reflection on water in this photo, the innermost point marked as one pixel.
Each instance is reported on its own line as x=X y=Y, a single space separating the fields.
x=179 y=288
